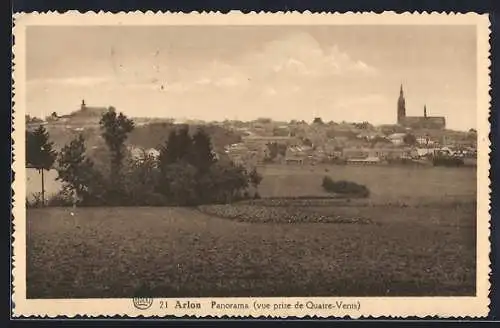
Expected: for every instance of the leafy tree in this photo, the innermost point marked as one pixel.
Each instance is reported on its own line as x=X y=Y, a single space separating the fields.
x=75 y=170
x=190 y=174
x=115 y=129
x=30 y=119
x=363 y=126
x=177 y=147
x=179 y=183
x=344 y=187
x=254 y=177
x=170 y=152
x=410 y=139
x=201 y=153
x=52 y=116
x=272 y=153
x=307 y=142
x=378 y=139
x=39 y=152
x=318 y=120
x=229 y=181
x=141 y=181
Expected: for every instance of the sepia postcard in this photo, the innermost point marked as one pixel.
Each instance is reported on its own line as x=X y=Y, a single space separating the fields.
x=251 y=165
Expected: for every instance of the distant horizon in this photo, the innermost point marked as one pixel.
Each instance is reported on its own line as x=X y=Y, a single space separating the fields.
x=180 y=120
x=338 y=73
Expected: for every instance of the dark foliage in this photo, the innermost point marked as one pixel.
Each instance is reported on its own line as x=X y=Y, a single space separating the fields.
x=318 y=120
x=115 y=129
x=40 y=153
x=410 y=139
x=447 y=161
x=274 y=150
x=190 y=174
x=187 y=171
x=39 y=149
x=345 y=187
x=78 y=174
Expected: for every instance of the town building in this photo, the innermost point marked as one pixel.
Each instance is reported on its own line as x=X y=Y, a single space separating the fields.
x=417 y=122
x=372 y=153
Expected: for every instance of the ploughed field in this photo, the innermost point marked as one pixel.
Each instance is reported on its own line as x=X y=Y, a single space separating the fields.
x=374 y=247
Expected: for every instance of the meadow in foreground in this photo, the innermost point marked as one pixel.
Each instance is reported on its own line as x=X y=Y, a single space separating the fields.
x=168 y=252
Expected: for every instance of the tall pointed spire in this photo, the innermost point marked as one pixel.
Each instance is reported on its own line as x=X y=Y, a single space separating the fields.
x=401 y=113
x=425 y=111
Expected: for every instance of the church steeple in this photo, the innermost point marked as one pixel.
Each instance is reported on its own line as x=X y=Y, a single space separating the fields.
x=401 y=106
x=425 y=111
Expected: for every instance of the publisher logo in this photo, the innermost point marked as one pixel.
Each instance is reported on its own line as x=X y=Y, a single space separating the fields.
x=142 y=303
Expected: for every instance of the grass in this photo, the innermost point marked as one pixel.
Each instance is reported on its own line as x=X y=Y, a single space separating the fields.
x=175 y=252
x=412 y=185
x=423 y=242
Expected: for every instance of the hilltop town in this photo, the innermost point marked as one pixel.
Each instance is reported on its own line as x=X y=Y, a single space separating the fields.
x=264 y=141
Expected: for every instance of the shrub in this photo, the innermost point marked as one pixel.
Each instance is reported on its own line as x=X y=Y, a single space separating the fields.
x=62 y=198
x=344 y=187
x=77 y=173
x=447 y=161
x=35 y=202
x=178 y=184
x=141 y=178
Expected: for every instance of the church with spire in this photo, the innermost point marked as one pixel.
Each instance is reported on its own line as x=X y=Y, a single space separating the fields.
x=417 y=122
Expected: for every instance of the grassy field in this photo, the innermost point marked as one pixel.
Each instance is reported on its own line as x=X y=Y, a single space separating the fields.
x=424 y=248
x=403 y=184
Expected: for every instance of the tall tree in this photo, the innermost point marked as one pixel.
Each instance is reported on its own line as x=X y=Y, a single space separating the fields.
x=202 y=156
x=74 y=169
x=410 y=139
x=115 y=129
x=40 y=153
x=176 y=148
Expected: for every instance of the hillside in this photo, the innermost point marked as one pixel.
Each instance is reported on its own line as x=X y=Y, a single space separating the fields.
x=151 y=135
x=154 y=135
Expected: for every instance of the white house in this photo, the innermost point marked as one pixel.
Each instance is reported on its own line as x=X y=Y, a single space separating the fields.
x=397 y=138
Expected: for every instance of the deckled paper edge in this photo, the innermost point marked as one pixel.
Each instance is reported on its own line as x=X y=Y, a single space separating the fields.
x=29 y=308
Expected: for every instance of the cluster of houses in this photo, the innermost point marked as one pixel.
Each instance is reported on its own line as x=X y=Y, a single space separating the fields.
x=299 y=142
x=363 y=149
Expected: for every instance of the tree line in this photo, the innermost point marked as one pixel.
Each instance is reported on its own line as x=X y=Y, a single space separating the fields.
x=187 y=172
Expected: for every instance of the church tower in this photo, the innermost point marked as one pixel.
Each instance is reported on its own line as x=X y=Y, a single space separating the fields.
x=425 y=111
x=401 y=106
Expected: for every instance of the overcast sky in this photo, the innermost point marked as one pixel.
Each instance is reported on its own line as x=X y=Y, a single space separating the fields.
x=350 y=73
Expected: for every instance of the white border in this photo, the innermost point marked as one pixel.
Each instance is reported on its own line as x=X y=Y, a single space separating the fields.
x=370 y=306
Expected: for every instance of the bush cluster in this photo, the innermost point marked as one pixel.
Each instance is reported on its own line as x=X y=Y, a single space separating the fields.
x=186 y=173
x=447 y=161
x=345 y=187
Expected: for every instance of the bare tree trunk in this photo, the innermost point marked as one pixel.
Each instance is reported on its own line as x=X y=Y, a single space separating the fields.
x=43 y=191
